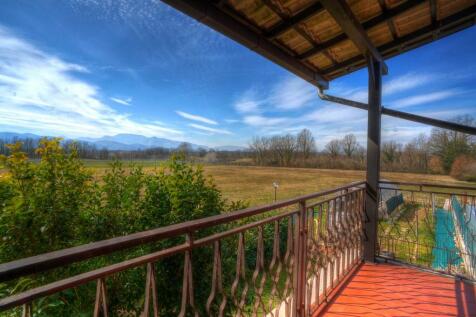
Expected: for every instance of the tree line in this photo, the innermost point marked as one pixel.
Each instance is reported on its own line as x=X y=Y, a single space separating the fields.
x=87 y=150
x=441 y=152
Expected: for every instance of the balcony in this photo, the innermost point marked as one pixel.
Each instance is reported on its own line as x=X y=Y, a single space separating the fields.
x=299 y=257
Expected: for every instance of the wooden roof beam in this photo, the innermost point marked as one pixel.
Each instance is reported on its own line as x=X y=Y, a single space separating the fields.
x=391 y=26
x=444 y=27
x=388 y=15
x=351 y=26
x=209 y=14
x=296 y=28
x=294 y=21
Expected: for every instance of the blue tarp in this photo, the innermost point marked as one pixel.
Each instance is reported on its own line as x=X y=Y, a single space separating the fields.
x=445 y=252
x=466 y=223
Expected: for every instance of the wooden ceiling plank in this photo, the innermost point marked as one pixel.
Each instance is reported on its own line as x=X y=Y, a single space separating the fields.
x=341 y=12
x=449 y=25
x=389 y=14
x=291 y=22
x=391 y=26
x=296 y=28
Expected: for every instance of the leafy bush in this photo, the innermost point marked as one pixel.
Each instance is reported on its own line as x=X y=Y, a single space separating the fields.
x=464 y=168
x=56 y=203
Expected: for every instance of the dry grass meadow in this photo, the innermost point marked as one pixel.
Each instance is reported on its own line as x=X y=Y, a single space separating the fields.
x=255 y=184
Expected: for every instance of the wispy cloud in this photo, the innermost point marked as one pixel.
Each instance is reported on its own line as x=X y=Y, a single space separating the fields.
x=194 y=117
x=208 y=129
x=396 y=85
x=262 y=121
x=42 y=92
x=248 y=102
x=288 y=94
x=424 y=98
x=124 y=102
x=406 y=82
x=332 y=113
x=292 y=93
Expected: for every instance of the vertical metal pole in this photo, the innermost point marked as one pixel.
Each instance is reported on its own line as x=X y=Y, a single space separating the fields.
x=373 y=157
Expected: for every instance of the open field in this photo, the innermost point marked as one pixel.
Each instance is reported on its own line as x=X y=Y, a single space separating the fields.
x=255 y=184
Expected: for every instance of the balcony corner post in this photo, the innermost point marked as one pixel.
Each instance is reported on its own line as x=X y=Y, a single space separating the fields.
x=373 y=157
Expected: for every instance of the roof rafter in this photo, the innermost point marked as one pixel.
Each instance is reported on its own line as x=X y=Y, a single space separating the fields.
x=445 y=27
x=224 y=22
x=296 y=28
x=389 y=14
x=343 y=15
x=292 y=22
x=391 y=26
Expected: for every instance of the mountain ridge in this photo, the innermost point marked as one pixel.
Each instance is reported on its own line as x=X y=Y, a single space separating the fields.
x=125 y=142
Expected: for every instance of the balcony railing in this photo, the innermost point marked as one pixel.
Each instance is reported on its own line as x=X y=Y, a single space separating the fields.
x=296 y=252
x=432 y=226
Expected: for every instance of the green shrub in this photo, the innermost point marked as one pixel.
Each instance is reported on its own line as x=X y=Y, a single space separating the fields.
x=56 y=203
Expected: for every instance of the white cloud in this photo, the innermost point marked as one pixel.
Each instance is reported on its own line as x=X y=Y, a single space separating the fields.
x=289 y=94
x=424 y=98
x=124 y=102
x=194 y=117
x=208 y=129
x=248 y=102
x=39 y=92
x=292 y=93
x=261 y=121
x=407 y=82
x=337 y=114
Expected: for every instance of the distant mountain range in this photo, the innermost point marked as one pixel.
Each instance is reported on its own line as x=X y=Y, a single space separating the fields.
x=125 y=142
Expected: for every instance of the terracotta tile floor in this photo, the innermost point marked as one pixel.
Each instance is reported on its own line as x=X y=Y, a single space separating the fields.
x=394 y=290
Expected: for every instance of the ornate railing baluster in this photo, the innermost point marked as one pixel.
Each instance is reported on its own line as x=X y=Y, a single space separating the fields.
x=275 y=268
x=289 y=267
x=340 y=236
x=217 y=286
x=150 y=290
x=187 y=286
x=258 y=285
x=311 y=259
x=239 y=300
x=101 y=299
x=301 y=260
x=26 y=310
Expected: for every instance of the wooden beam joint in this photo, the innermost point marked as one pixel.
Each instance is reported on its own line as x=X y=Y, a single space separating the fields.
x=341 y=12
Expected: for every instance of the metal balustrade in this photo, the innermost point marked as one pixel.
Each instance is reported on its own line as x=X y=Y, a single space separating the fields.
x=433 y=226
x=315 y=244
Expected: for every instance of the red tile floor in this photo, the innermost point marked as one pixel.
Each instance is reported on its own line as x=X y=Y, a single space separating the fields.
x=394 y=290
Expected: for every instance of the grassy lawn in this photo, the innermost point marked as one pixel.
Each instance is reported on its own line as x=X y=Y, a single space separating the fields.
x=255 y=184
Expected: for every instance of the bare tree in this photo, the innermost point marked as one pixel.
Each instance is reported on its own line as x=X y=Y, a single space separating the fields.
x=284 y=148
x=416 y=154
x=349 y=145
x=305 y=143
x=391 y=152
x=333 y=148
x=448 y=145
x=260 y=147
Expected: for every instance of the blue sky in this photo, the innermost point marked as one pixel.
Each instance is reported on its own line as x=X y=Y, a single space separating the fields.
x=91 y=68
